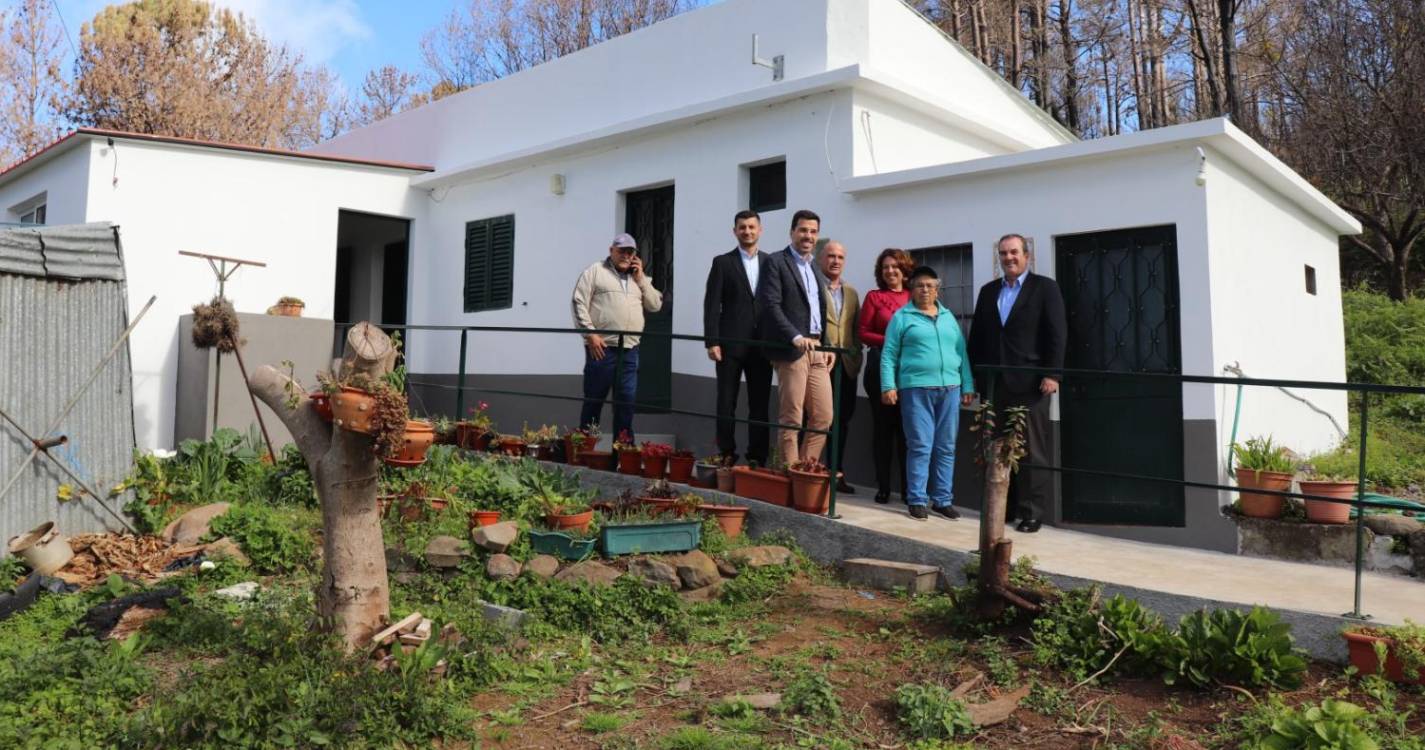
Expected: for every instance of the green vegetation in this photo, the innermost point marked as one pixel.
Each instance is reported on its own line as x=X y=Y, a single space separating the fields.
x=929 y=712
x=277 y=540
x=1261 y=454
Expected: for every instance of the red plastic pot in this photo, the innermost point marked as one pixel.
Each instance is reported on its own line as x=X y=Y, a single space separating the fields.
x=761 y=484
x=680 y=469
x=654 y=467
x=601 y=460
x=630 y=462
x=480 y=518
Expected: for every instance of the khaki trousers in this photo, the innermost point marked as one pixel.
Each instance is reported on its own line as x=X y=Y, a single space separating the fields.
x=804 y=388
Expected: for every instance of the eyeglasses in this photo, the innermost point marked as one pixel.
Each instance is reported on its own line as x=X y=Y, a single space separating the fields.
x=626 y=250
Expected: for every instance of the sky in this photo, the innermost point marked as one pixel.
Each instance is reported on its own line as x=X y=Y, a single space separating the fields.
x=349 y=36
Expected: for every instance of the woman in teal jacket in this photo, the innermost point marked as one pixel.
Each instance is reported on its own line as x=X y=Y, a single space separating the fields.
x=924 y=368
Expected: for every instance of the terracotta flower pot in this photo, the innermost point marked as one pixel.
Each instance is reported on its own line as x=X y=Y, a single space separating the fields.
x=571 y=452
x=724 y=480
x=411 y=508
x=321 y=404
x=761 y=484
x=654 y=467
x=351 y=410
x=578 y=521
x=601 y=460
x=480 y=518
x=420 y=435
x=288 y=309
x=630 y=462
x=512 y=446
x=729 y=517
x=811 y=493
x=1323 y=511
x=661 y=505
x=1255 y=504
x=680 y=469
x=1361 y=647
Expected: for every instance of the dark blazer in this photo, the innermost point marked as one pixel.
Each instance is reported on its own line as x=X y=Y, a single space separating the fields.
x=730 y=305
x=783 y=301
x=1034 y=335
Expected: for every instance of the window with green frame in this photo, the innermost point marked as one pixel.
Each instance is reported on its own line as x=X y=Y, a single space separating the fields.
x=490 y=264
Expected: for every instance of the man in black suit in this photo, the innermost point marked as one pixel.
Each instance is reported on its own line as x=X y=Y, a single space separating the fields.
x=730 y=311
x=1019 y=321
x=792 y=301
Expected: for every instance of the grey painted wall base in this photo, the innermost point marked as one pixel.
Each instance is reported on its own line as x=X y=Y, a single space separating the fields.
x=829 y=542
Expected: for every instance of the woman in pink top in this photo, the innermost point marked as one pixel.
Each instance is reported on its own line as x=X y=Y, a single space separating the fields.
x=893 y=267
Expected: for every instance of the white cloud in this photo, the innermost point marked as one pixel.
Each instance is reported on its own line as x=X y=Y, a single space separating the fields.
x=317 y=29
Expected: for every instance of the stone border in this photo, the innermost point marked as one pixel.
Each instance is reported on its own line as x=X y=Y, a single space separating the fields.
x=829 y=542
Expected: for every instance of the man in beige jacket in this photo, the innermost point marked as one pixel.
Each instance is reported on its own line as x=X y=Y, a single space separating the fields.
x=612 y=295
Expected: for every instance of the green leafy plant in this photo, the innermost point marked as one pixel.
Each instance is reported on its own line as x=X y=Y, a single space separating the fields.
x=1229 y=647
x=812 y=695
x=1332 y=725
x=1261 y=454
x=1083 y=635
x=266 y=536
x=929 y=712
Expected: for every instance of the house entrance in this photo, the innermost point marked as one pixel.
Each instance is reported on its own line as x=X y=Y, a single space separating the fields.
x=372 y=267
x=648 y=216
x=1121 y=294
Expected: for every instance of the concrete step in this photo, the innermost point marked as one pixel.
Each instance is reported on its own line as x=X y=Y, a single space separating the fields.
x=889 y=575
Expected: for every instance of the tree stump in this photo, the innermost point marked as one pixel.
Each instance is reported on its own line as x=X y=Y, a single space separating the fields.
x=353 y=597
x=996 y=552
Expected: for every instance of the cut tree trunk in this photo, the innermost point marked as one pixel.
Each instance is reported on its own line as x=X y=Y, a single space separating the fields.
x=996 y=552
x=353 y=597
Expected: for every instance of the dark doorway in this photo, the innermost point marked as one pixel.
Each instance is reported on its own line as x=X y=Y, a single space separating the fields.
x=648 y=216
x=372 y=271
x=1121 y=293
x=396 y=267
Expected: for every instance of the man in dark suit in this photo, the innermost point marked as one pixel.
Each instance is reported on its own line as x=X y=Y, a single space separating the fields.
x=730 y=311
x=792 y=303
x=1019 y=321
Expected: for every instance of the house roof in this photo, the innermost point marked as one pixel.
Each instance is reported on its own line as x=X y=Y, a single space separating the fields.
x=82 y=135
x=1222 y=136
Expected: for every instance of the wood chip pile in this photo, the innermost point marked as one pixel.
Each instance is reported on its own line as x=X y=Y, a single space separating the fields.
x=138 y=558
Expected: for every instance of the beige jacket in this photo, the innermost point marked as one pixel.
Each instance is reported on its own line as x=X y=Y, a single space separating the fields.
x=841 y=332
x=602 y=303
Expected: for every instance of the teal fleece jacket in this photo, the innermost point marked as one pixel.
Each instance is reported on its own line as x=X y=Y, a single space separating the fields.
x=925 y=352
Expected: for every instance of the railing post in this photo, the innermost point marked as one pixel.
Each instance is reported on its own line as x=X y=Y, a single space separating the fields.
x=1355 y=612
x=618 y=382
x=460 y=384
x=834 y=437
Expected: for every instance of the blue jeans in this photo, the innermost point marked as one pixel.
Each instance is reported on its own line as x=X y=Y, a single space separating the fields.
x=599 y=377
x=932 y=418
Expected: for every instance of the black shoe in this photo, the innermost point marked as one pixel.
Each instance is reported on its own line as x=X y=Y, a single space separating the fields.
x=883 y=497
x=1029 y=525
x=948 y=511
x=844 y=487
x=919 y=513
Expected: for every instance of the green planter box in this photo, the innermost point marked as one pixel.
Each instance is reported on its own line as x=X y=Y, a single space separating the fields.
x=560 y=545
x=675 y=536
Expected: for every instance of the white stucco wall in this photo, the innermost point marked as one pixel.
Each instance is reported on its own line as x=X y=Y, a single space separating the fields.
x=280 y=211
x=890 y=137
x=65 y=181
x=1262 y=316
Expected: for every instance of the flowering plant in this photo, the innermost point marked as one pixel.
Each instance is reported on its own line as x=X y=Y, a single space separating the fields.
x=657 y=450
x=810 y=466
x=624 y=443
x=480 y=419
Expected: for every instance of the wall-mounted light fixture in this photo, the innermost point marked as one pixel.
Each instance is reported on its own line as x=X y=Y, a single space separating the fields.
x=556 y=184
x=1201 y=167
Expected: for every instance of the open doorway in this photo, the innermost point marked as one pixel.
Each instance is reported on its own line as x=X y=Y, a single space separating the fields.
x=372 y=264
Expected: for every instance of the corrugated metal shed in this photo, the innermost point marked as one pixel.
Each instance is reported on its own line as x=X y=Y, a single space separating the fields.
x=62 y=305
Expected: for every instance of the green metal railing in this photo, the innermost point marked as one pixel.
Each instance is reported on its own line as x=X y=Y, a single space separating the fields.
x=1359 y=503
x=461 y=388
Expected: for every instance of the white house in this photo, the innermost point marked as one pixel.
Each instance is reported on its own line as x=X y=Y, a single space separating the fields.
x=1181 y=250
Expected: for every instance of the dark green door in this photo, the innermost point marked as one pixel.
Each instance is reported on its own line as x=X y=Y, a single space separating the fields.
x=1121 y=294
x=649 y=218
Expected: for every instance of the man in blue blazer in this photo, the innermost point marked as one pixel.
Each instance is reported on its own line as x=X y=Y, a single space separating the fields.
x=792 y=302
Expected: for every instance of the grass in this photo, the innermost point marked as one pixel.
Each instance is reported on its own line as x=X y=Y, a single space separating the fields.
x=601 y=723
x=1395 y=454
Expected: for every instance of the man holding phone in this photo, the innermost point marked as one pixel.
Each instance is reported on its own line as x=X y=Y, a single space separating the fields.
x=612 y=295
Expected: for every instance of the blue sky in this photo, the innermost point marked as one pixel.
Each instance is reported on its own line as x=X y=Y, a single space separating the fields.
x=350 y=36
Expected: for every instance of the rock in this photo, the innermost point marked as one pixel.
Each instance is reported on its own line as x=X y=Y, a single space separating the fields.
x=227 y=549
x=542 y=566
x=193 y=525
x=502 y=567
x=1417 y=552
x=445 y=552
x=1393 y=525
x=759 y=701
x=695 y=569
x=760 y=557
x=496 y=537
x=589 y=572
x=682 y=687
x=399 y=560
x=240 y=592
x=505 y=617
x=406 y=577
x=653 y=573
x=727 y=569
x=705 y=594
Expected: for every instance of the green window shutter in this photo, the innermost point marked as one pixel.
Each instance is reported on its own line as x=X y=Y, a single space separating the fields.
x=489 y=264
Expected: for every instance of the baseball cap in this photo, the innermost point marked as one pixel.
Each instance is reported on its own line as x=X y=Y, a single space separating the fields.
x=625 y=240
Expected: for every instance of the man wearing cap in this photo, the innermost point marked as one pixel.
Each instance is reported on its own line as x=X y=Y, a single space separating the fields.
x=612 y=295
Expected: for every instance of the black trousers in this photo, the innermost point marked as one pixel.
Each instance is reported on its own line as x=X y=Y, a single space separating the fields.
x=847 y=384
x=1029 y=489
x=887 y=435
x=730 y=372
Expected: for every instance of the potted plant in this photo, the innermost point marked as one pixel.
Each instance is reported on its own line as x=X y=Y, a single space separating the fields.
x=753 y=481
x=641 y=530
x=416 y=439
x=288 y=307
x=630 y=460
x=811 y=486
x=539 y=443
x=444 y=430
x=590 y=456
x=569 y=544
x=655 y=459
x=1262 y=465
x=725 y=477
x=510 y=445
x=474 y=433
x=1400 y=648
x=413 y=502
x=705 y=470
x=1328 y=485
x=322 y=396
x=680 y=466
x=480 y=518
x=561 y=512
x=729 y=517
x=660 y=495
x=574 y=441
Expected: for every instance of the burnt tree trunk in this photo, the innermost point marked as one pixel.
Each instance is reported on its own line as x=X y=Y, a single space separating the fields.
x=353 y=597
